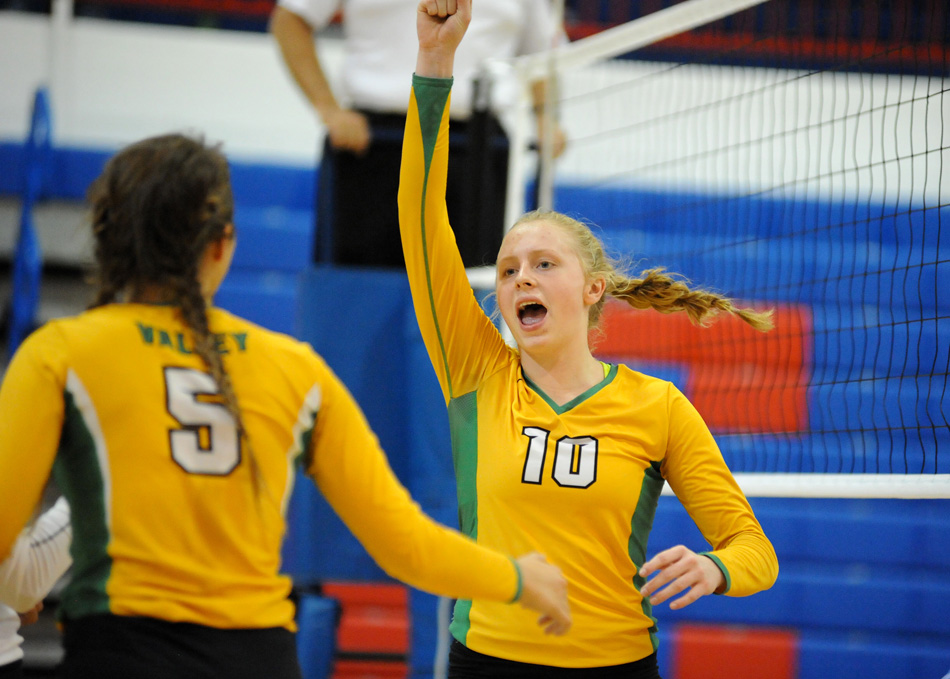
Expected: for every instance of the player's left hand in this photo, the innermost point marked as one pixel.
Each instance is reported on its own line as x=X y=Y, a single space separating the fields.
x=678 y=569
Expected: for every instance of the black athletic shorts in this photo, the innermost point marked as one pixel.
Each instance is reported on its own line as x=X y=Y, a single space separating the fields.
x=122 y=647
x=465 y=663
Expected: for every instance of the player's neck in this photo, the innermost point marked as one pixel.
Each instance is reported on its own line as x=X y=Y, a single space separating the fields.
x=151 y=294
x=157 y=294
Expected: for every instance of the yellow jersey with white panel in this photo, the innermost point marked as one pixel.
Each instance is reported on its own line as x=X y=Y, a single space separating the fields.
x=175 y=517
x=577 y=481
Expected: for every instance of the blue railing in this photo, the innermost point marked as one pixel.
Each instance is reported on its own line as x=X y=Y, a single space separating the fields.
x=27 y=263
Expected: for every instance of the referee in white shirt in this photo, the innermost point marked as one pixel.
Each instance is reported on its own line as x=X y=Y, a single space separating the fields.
x=365 y=113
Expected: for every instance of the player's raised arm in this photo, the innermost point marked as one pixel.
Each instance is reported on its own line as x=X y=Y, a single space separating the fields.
x=462 y=343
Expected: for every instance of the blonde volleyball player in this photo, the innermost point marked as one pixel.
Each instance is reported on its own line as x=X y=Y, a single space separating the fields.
x=555 y=450
x=173 y=428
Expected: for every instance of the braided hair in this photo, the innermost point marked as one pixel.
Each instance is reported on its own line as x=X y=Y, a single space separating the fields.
x=155 y=208
x=651 y=289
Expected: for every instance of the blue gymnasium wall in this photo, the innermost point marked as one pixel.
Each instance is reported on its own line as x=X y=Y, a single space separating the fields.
x=864 y=583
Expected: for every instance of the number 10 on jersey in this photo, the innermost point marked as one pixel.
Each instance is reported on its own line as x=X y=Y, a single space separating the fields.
x=575 y=458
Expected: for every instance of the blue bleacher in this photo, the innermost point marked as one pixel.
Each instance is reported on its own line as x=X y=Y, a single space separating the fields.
x=813 y=248
x=863 y=581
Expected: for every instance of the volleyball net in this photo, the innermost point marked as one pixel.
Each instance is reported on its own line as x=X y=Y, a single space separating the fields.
x=793 y=162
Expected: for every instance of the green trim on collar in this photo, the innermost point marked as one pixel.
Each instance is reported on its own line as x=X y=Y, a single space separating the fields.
x=560 y=409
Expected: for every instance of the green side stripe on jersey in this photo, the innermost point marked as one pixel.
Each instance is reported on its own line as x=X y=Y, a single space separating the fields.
x=432 y=94
x=304 y=459
x=461 y=620
x=305 y=456
x=640 y=525
x=78 y=475
x=463 y=427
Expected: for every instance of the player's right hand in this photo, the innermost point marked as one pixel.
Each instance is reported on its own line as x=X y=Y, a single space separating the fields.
x=544 y=589
x=348 y=130
x=440 y=24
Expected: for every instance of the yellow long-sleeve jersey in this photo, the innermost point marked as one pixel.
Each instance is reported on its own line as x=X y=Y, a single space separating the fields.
x=169 y=520
x=578 y=482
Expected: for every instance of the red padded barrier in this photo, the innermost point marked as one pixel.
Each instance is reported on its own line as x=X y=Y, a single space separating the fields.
x=739 y=379
x=374 y=618
x=733 y=652
x=369 y=669
x=241 y=8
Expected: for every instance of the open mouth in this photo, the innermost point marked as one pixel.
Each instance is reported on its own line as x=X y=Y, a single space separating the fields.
x=531 y=313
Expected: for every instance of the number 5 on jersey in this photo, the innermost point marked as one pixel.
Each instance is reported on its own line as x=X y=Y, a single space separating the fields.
x=575 y=459
x=207 y=441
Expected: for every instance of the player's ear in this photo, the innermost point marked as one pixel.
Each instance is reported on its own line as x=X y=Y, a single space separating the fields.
x=594 y=290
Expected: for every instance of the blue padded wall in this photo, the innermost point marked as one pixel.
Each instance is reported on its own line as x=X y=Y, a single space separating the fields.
x=355 y=319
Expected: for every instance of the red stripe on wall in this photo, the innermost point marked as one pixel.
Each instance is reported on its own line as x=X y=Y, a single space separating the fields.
x=375 y=617
x=749 y=45
x=740 y=379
